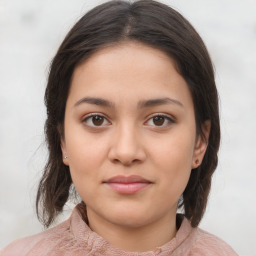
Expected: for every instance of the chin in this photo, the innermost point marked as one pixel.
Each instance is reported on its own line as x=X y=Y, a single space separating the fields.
x=131 y=218
x=131 y=221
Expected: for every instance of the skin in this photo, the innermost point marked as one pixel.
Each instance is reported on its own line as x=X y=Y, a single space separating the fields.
x=126 y=140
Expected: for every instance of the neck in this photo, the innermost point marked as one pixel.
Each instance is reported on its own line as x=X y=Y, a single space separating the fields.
x=138 y=238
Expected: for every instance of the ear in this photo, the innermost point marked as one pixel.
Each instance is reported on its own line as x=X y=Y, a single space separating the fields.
x=64 y=152
x=63 y=146
x=201 y=144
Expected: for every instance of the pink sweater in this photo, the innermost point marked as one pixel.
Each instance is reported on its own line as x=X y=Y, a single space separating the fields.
x=74 y=238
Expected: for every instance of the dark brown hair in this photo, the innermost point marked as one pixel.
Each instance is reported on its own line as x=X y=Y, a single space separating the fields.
x=156 y=25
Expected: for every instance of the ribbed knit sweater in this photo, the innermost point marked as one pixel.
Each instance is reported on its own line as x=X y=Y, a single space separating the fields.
x=73 y=237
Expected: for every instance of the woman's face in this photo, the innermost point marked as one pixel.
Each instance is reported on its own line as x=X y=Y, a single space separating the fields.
x=130 y=135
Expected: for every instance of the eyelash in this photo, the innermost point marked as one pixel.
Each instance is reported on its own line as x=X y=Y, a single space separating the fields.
x=86 y=118
x=167 y=118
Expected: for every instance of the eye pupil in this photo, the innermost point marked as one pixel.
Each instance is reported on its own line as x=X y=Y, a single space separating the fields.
x=97 y=120
x=158 y=120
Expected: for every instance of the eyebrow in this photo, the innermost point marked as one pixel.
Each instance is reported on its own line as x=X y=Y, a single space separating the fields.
x=95 y=101
x=157 y=102
x=141 y=104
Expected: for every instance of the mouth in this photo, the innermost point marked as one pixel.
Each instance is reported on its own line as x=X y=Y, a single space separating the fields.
x=127 y=184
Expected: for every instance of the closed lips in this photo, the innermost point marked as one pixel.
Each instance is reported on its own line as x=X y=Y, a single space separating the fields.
x=127 y=184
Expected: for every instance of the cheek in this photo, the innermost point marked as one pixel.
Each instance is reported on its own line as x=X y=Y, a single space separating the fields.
x=172 y=159
x=86 y=156
x=85 y=149
x=85 y=160
x=174 y=151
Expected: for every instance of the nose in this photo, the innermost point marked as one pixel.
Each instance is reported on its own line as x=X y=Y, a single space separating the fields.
x=127 y=147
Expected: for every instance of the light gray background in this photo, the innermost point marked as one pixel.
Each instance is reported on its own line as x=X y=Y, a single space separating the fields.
x=30 y=32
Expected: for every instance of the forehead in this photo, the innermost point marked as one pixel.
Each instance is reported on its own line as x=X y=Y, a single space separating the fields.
x=130 y=70
x=127 y=59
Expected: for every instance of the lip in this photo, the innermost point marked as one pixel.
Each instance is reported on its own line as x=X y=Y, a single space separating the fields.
x=127 y=184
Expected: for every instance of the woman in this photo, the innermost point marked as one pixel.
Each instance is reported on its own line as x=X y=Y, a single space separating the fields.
x=133 y=128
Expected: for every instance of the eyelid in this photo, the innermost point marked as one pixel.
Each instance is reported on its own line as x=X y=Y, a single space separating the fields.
x=86 y=117
x=169 y=117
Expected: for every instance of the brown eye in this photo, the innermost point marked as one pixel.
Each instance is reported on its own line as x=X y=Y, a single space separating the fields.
x=158 y=120
x=97 y=120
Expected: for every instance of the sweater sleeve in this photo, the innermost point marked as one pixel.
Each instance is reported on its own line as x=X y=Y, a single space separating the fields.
x=210 y=245
x=19 y=247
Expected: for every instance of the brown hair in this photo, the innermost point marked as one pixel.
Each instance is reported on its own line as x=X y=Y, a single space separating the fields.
x=153 y=24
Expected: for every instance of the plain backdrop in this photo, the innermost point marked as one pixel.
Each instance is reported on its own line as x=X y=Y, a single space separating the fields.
x=30 y=33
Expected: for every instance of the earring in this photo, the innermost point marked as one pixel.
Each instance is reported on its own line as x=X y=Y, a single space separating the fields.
x=65 y=157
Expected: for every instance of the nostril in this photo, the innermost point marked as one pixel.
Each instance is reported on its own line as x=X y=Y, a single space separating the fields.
x=126 y=162
x=126 y=150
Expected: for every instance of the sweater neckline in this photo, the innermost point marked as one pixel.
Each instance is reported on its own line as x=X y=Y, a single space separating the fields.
x=99 y=246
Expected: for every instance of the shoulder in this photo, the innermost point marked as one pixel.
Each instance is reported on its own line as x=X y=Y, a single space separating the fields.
x=25 y=246
x=208 y=244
